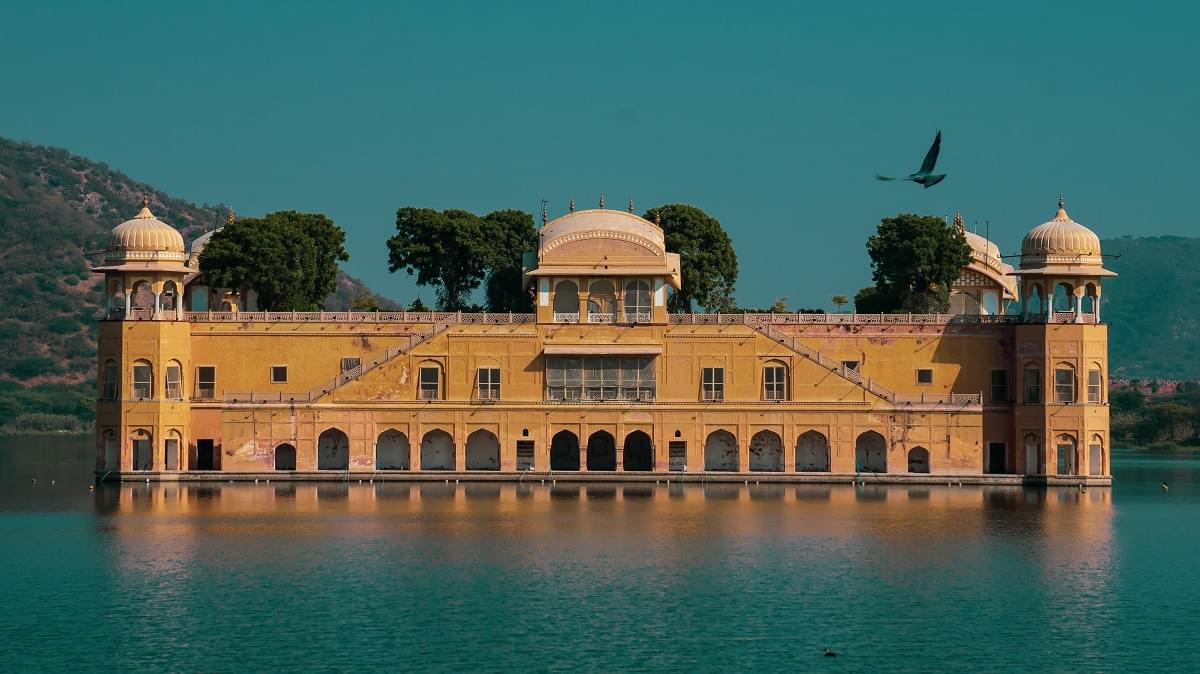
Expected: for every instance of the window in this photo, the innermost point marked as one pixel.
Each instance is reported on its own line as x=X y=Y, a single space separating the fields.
x=112 y=382
x=351 y=363
x=1095 y=387
x=600 y=378
x=174 y=381
x=850 y=365
x=1033 y=385
x=430 y=383
x=774 y=382
x=143 y=381
x=637 y=301
x=1064 y=385
x=712 y=383
x=279 y=374
x=524 y=454
x=999 y=386
x=489 y=383
x=924 y=375
x=206 y=382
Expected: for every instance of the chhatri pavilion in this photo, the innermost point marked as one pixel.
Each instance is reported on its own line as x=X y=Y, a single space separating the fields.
x=601 y=381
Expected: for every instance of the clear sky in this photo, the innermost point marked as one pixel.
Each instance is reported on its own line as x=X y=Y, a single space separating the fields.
x=771 y=117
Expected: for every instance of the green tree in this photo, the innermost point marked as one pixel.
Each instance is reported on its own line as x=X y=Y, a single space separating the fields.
x=365 y=302
x=915 y=259
x=289 y=258
x=709 y=263
x=840 y=301
x=513 y=235
x=449 y=250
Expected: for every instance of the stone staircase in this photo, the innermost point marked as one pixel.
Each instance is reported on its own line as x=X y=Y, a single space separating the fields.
x=415 y=339
x=833 y=365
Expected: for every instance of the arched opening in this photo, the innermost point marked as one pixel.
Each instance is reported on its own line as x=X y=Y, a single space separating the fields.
x=1089 y=299
x=174 y=381
x=1065 y=447
x=564 y=451
x=766 y=452
x=812 y=452
x=566 y=300
x=483 y=451
x=143 y=450
x=170 y=296
x=601 y=451
x=602 y=301
x=870 y=453
x=1033 y=300
x=637 y=301
x=991 y=303
x=112 y=450
x=429 y=380
x=143 y=380
x=638 y=452
x=171 y=450
x=437 y=451
x=285 y=457
x=392 y=451
x=1032 y=458
x=1064 y=297
x=918 y=460
x=116 y=298
x=333 y=450
x=1096 y=455
x=143 y=295
x=721 y=452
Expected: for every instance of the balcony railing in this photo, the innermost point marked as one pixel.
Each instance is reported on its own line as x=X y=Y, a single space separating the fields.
x=635 y=317
x=714 y=395
x=566 y=317
x=428 y=394
x=601 y=317
x=487 y=394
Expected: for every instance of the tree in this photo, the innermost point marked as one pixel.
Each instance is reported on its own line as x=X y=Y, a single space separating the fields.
x=365 y=302
x=289 y=258
x=708 y=262
x=840 y=301
x=915 y=259
x=779 y=306
x=514 y=235
x=418 y=305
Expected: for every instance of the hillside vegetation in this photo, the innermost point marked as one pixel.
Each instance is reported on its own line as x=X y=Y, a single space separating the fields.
x=53 y=207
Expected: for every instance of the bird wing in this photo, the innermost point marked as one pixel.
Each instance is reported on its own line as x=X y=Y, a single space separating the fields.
x=932 y=155
x=879 y=177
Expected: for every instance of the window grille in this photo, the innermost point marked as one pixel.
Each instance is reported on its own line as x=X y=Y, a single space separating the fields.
x=1064 y=385
x=206 y=382
x=174 y=383
x=351 y=363
x=143 y=382
x=429 y=387
x=774 y=382
x=488 y=383
x=600 y=378
x=712 y=383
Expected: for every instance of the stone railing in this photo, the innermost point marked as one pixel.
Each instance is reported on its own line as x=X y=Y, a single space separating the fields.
x=566 y=317
x=839 y=319
x=1069 y=317
x=448 y=317
x=602 y=317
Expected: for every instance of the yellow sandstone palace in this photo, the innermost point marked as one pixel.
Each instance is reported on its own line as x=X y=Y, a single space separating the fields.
x=602 y=382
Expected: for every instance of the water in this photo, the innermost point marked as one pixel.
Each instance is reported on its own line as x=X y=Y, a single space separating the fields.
x=442 y=577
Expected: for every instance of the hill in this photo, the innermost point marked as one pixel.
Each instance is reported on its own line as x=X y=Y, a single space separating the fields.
x=53 y=207
x=1153 y=331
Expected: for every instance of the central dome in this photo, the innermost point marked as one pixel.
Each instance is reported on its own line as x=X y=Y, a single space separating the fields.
x=1061 y=236
x=603 y=223
x=145 y=234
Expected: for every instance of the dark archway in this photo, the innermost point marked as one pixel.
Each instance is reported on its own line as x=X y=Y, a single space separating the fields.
x=766 y=452
x=601 y=451
x=285 y=457
x=437 y=451
x=721 y=452
x=812 y=452
x=564 y=451
x=638 y=452
x=870 y=453
x=392 y=451
x=918 y=460
x=483 y=451
x=333 y=450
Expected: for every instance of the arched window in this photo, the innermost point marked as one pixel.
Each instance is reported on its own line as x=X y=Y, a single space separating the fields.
x=812 y=452
x=1065 y=447
x=333 y=450
x=1095 y=390
x=483 y=451
x=1032 y=455
x=429 y=381
x=143 y=449
x=111 y=384
x=1096 y=455
x=1090 y=299
x=285 y=457
x=143 y=295
x=870 y=453
x=775 y=380
x=991 y=303
x=1064 y=297
x=1064 y=383
x=1033 y=300
x=566 y=301
x=564 y=451
x=721 y=452
x=143 y=380
x=116 y=298
x=766 y=452
x=112 y=450
x=174 y=380
x=637 y=301
x=392 y=451
x=170 y=295
x=918 y=460
x=638 y=452
x=601 y=451
x=602 y=301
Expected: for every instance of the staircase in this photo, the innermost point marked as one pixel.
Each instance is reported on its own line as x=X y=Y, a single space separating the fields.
x=830 y=364
x=415 y=339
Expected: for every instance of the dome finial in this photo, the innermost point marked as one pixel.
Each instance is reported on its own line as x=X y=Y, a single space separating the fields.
x=958 y=223
x=572 y=204
x=230 y=216
x=145 y=212
x=630 y=204
x=545 y=214
x=601 y=200
x=658 y=217
x=1062 y=209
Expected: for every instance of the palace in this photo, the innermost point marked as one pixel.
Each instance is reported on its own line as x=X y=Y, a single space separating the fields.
x=602 y=382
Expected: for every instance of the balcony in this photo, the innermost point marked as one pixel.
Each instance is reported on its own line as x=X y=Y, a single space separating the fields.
x=566 y=317
x=635 y=317
x=601 y=317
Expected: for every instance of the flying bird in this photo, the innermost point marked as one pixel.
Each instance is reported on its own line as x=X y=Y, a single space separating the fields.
x=926 y=176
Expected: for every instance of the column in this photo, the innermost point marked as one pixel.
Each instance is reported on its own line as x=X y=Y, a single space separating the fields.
x=1096 y=306
x=1079 y=304
x=157 y=303
x=128 y=303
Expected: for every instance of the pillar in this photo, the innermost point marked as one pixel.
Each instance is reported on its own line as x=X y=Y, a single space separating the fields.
x=1078 y=299
x=128 y=302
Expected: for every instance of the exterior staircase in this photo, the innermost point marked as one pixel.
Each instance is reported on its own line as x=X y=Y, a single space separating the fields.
x=827 y=363
x=415 y=339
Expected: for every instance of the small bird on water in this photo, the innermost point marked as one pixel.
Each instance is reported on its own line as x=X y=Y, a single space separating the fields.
x=1164 y=485
x=925 y=176
x=830 y=654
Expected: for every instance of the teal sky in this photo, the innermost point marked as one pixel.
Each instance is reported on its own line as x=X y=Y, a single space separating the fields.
x=773 y=118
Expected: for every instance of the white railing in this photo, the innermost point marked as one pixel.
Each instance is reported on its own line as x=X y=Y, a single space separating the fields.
x=635 y=317
x=601 y=317
x=487 y=394
x=1069 y=317
x=713 y=395
x=451 y=317
x=566 y=317
x=428 y=394
x=839 y=319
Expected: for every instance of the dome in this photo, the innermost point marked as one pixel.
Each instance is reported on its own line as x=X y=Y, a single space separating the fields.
x=145 y=234
x=1061 y=237
x=605 y=223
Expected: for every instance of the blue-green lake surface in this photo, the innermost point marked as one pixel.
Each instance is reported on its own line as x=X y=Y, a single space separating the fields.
x=250 y=577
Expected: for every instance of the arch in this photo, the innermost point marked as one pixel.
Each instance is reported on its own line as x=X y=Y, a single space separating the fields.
x=566 y=297
x=116 y=298
x=1066 y=449
x=766 y=452
x=142 y=375
x=392 y=451
x=990 y=305
x=142 y=295
x=429 y=380
x=170 y=296
x=601 y=451
x=870 y=453
x=173 y=380
x=1090 y=299
x=483 y=451
x=1032 y=458
x=1064 y=297
x=812 y=452
x=437 y=450
x=1034 y=297
x=721 y=451
x=285 y=457
x=918 y=460
x=1096 y=455
x=112 y=450
x=602 y=298
x=143 y=449
x=564 y=451
x=333 y=450
x=638 y=452
x=171 y=448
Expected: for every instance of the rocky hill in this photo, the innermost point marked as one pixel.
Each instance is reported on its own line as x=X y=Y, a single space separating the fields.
x=53 y=207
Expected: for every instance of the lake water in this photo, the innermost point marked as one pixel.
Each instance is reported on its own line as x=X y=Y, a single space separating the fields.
x=498 y=577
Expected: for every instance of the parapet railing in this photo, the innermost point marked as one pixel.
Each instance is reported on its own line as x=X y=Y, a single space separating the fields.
x=839 y=319
x=448 y=317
